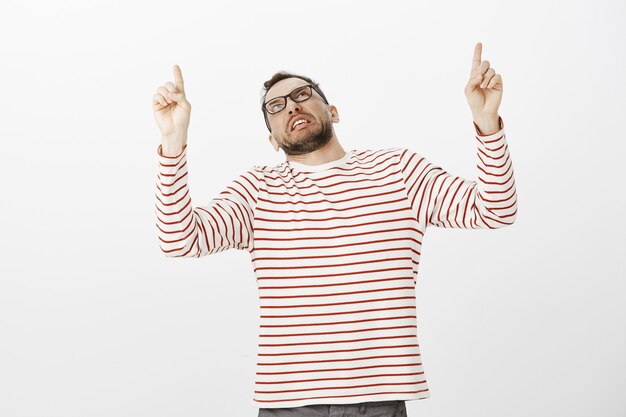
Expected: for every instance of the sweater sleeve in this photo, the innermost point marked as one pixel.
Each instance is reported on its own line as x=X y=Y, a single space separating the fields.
x=444 y=200
x=226 y=221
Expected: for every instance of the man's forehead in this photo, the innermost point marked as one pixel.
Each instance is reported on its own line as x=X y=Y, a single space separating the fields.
x=284 y=86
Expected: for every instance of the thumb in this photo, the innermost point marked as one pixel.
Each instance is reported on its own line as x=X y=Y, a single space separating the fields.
x=179 y=98
x=473 y=83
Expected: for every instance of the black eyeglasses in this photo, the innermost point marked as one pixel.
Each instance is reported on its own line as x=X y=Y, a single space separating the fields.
x=300 y=94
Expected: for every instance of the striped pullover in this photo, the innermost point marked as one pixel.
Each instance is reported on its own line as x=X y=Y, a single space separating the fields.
x=335 y=249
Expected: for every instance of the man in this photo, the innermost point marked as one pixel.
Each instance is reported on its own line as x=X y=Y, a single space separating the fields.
x=335 y=240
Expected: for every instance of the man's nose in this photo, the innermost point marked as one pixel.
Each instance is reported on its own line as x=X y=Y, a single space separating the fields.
x=292 y=105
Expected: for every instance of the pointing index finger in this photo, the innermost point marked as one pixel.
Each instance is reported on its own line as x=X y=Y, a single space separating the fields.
x=476 y=59
x=178 y=79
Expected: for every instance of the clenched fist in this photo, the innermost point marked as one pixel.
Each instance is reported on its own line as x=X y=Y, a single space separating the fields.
x=172 y=112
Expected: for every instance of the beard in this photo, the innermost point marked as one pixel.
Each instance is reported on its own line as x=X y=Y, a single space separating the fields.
x=311 y=140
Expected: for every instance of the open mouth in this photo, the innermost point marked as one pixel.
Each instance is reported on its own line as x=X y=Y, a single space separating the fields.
x=300 y=124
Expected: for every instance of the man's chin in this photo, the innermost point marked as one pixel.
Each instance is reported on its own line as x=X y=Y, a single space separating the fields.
x=305 y=134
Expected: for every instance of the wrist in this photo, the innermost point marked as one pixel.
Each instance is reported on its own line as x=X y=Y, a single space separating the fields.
x=171 y=149
x=487 y=123
x=173 y=145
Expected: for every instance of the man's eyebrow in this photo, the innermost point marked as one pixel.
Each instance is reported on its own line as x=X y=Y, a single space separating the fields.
x=280 y=95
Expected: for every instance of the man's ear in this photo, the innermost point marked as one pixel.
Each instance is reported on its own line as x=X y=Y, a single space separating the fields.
x=334 y=114
x=273 y=142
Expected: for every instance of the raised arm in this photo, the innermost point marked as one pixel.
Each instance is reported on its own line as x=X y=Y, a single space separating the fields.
x=444 y=200
x=184 y=230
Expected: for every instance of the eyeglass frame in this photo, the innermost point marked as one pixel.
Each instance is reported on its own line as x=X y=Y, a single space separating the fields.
x=265 y=112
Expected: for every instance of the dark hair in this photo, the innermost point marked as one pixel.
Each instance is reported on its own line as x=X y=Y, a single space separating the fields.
x=281 y=75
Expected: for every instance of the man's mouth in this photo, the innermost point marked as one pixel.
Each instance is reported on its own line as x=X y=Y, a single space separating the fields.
x=299 y=123
x=301 y=126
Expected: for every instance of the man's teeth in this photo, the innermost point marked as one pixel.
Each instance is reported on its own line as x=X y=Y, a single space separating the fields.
x=298 y=123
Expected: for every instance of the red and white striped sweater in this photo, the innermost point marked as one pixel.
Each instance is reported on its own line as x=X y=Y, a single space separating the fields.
x=336 y=249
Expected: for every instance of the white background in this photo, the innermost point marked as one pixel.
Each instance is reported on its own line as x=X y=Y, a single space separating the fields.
x=527 y=320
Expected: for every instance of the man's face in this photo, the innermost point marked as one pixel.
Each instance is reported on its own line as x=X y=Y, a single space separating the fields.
x=306 y=137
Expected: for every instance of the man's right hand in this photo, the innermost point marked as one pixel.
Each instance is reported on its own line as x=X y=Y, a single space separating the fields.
x=172 y=112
